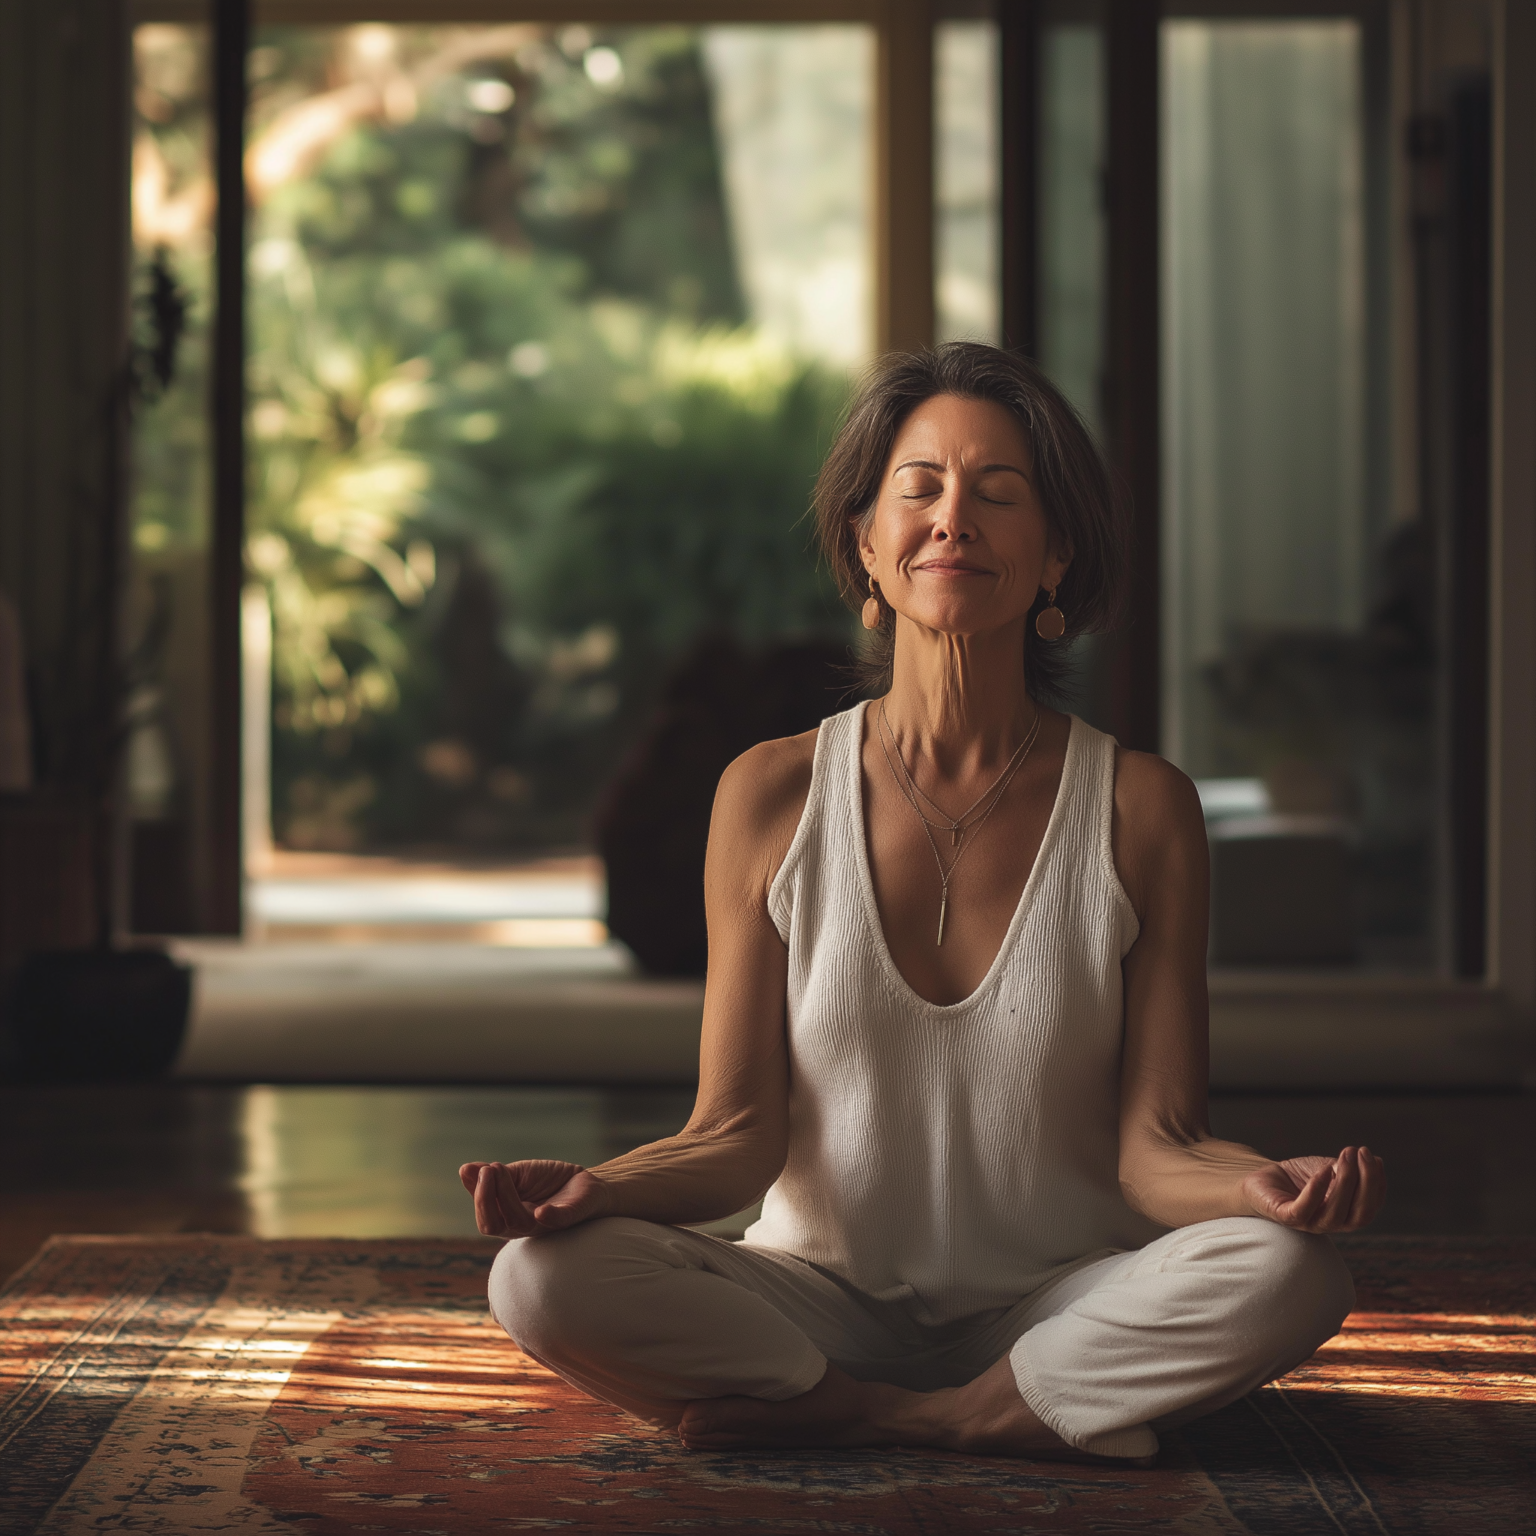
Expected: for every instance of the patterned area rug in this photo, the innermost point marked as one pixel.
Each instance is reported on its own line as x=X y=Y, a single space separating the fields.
x=173 y=1385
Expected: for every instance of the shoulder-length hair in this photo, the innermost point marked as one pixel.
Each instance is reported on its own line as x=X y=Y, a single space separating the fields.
x=1067 y=470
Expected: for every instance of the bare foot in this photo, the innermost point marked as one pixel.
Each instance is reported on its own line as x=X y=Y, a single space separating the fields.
x=986 y=1417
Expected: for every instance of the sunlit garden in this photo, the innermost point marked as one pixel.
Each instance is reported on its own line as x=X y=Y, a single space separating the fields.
x=517 y=443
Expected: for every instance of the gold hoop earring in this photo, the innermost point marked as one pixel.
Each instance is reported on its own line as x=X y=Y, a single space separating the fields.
x=871 y=613
x=1051 y=622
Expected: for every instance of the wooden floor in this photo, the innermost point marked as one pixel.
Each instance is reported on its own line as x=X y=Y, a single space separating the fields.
x=380 y=1161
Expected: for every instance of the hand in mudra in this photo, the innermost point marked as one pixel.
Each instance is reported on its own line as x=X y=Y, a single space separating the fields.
x=1320 y=1194
x=519 y=1199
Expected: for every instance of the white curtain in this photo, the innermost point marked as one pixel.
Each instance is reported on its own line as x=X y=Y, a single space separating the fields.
x=1263 y=343
x=966 y=253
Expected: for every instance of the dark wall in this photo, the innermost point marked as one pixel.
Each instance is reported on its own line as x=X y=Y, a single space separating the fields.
x=64 y=190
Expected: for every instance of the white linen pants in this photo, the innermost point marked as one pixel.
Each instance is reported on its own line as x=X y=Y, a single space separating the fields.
x=652 y=1317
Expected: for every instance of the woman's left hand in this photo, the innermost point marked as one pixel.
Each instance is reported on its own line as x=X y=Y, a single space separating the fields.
x=1319 y=1194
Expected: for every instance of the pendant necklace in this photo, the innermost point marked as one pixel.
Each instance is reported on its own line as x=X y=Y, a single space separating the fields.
x=954 y=825
x=957 y=827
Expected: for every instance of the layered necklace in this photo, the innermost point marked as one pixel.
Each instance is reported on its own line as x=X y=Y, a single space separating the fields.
x=960 y=827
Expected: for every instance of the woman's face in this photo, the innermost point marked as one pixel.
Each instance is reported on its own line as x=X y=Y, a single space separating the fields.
x=958 y=542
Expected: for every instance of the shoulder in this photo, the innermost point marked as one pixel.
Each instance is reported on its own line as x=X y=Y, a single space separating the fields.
x=759 y=803
x=1150 y=791
x=1159 y=827
x=771 y=776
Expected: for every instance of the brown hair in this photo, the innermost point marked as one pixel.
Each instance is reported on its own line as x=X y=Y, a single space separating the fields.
x=1067 y=470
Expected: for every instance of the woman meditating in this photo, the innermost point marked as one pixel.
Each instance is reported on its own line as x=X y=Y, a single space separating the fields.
x=954 y=1026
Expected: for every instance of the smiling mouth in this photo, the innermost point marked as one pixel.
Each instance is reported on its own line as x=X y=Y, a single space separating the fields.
x=956 y=568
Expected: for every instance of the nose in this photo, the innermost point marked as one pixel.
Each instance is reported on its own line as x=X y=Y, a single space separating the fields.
x=951 y=520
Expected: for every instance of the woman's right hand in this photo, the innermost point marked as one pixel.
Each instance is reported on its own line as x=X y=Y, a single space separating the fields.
x=519 y=1199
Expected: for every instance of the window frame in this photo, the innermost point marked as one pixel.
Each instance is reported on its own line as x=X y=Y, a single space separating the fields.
x=1277 y=1030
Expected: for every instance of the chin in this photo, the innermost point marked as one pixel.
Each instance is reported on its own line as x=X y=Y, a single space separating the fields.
x=962 y=621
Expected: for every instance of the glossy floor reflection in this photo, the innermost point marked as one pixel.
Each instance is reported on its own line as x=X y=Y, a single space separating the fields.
x=381 y=1161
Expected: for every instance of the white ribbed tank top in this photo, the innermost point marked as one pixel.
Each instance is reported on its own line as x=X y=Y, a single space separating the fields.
x=953 y=1157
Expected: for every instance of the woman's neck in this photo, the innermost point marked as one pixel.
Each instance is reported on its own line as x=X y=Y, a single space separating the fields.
x=959 y=700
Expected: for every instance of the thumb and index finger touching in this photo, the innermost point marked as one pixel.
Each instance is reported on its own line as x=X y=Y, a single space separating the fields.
x=1342 y=1195
x=512 y=1201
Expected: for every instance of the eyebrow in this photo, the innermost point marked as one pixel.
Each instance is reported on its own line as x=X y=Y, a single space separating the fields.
x=986 y=469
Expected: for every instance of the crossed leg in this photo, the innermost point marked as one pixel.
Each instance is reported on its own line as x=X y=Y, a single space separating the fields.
x=732 y=1345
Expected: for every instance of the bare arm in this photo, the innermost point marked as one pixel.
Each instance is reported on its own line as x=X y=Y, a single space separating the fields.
x=1171 y=1167
x=735 y=1142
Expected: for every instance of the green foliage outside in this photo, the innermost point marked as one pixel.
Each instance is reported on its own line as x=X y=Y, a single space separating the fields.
x=513 y=448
